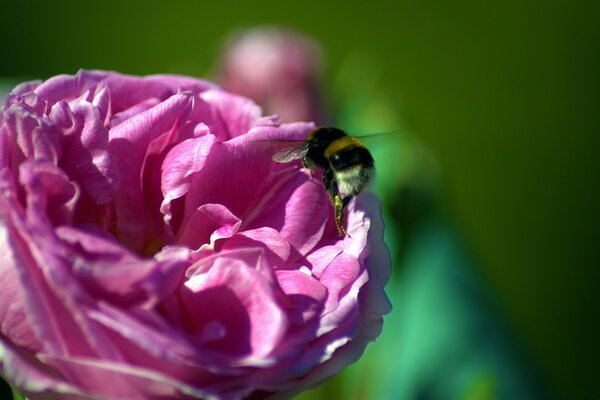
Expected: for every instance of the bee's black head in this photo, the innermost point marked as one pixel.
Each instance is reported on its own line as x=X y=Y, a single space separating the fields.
x=326 y=134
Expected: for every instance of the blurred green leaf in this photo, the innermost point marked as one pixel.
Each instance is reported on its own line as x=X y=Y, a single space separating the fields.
x=16 y=394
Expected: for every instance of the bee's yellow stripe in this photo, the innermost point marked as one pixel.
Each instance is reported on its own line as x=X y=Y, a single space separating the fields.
x=342 y=143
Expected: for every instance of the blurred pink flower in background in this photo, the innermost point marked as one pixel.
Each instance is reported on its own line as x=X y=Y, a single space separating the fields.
x=149 y=249
x=279 y=69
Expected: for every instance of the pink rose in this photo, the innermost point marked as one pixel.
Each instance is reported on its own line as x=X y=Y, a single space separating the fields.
x=149 y=249
x=278 y=68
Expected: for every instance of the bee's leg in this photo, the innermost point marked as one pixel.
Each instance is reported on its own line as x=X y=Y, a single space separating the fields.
x=334 y=195
x=310 y=167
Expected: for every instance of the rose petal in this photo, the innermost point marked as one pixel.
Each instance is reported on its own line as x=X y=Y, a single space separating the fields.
x=241 y=301
x=276 y=248
x=322 y=257
x=111 y=272
x=27 y=135
x=49 y=191
x=84 y=149
x=227 y=115
x=33 y=377
x=126 y=381
x=127 y=91
x=305 y=209
x=305 y=294
x=127 y=144
x=378 y=261
x=244 y=169
x=209 y=223
x=12 y=315
x=25 y=87
x=339 y=275
x=297 y=131
x=48 y=290
x=67 y=87
x=183 y=160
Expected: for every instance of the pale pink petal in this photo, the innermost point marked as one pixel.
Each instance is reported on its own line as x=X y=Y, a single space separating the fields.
x=228 y=115
x=297 y=131
x=339 y=275
x=67 y=87
x=322 y=257
x=25 y=87
x=378 y=261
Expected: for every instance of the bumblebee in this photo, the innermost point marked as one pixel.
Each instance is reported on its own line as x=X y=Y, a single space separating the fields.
x=346 y=162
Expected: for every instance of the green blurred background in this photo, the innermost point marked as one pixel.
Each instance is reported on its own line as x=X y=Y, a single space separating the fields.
x=503 y=94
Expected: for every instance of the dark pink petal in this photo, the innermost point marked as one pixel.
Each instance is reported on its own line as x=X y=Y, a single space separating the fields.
x=84 y=142
x=27 y=135
x=347 y=349
x=232 y=176
x=49 y=291
x=127 y=144
x=145 y=339
x=109 y=271
x=209 y=223
x=297 y=207
x=104 y=379
x=137 y=108
x=49 y=191
x=276 y=248
x=34 y=379
x=128 y=91
x=182 y=161
x=240 y=316
x=305 y=294
x=13 y=322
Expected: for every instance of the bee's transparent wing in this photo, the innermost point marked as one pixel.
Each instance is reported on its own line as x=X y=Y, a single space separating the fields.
x=289 y=154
